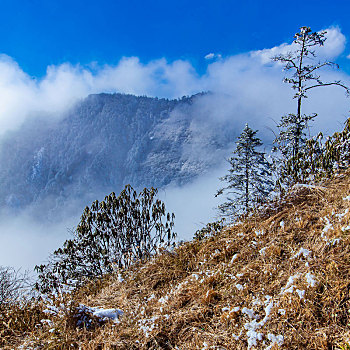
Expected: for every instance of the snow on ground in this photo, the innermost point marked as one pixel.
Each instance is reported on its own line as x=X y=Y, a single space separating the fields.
x=302 y=251
x=327 y=227
x=101 y=313
x=107 y=314
x=310 y=279
x=341 y=215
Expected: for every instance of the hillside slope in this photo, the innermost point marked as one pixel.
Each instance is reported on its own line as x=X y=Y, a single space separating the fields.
x=277 y=280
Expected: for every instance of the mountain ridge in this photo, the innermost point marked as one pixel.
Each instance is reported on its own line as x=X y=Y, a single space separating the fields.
x=102 y=143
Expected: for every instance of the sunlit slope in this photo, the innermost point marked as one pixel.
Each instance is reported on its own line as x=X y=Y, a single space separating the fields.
x=277 y=280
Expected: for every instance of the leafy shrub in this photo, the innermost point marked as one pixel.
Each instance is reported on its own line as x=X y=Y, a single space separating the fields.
x=337 y=150
x=322 y=160
x=112 y=234
x=211 y=229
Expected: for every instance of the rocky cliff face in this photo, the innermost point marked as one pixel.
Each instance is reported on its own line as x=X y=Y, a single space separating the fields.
x=103 y=143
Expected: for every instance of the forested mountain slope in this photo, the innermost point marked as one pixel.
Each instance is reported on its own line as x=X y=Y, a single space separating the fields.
x=103 y=143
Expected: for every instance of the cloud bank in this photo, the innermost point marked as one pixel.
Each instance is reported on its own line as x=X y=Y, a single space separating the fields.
x=251 y=80
x=25 y=242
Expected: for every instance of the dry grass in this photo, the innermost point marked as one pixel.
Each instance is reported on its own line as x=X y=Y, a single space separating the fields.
x=204 y=294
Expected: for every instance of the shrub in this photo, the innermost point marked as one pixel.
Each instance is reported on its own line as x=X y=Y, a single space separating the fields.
x=12 y=285
x=211 y=229
x=112 y=234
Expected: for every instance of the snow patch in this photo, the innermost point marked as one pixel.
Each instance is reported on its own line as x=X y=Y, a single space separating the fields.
x=259 y=232
x=341 y=215
x=107 y=314
x=102 y=314
x=301 y=293
x=345 y=228
x=304 y=252
x=296 y=186
x=253 y=336
x=250 y=313
x=147 y=325
x=288 y=288
x=275 y=339
x=310 y=279
x=234 y=258
x=151 y=297
x=164 y=299
x=195 y=276
x=328 y=227
x=262 y=251
x=333 y=242
x=282 y=312
x=120 y=278
x=239 y=286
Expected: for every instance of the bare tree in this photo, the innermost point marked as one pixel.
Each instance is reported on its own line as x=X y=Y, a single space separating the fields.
x=13 y=283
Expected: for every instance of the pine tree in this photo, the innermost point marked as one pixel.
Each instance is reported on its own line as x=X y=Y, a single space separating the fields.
x=249 y=178
x=292 y=138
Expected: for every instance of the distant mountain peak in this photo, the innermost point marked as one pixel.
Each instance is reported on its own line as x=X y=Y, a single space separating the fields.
x=99 y=145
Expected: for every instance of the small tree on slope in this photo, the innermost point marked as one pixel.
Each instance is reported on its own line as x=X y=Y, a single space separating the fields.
x=112 y=233
x=249 y=178
x=292 y=137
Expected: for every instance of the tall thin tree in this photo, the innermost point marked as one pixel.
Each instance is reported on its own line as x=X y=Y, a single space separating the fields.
x=305 y=76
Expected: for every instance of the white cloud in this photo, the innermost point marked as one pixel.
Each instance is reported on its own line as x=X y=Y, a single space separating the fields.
x=335 y=43
x=252 y=85
x=200 y=203
x=332 y=48
x=21 y=95
x=25 y=242
x=211 y=56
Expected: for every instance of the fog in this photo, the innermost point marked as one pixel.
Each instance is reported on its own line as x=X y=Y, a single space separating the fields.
x=194 y=204
x=25 y=242
x=245 y=88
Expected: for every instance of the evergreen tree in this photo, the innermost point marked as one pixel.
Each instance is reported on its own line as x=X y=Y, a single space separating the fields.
x=249 y=178
x=292 y=138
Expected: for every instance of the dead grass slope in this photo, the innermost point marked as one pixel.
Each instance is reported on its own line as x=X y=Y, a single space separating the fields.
x=278 y=280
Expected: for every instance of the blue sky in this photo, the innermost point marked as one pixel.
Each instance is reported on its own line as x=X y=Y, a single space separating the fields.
x=38 y=33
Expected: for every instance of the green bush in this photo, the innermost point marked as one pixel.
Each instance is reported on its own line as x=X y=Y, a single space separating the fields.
x=112 y=234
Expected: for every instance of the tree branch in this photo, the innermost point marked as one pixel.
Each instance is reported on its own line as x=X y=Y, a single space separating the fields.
x=338 y=83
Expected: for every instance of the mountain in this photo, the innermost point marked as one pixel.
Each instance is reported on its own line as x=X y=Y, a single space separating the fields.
x=53 y=164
